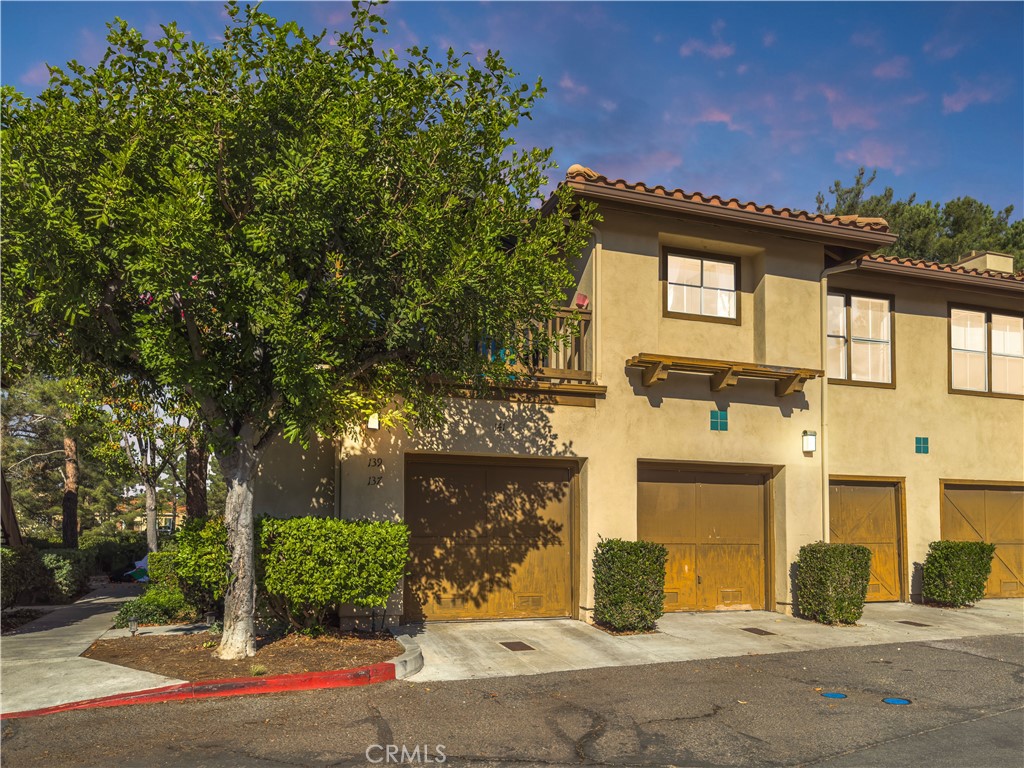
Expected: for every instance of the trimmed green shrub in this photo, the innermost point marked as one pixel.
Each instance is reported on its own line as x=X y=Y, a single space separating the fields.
x=10 y=577
x=162 y=567
x=159 y=604
x=629 y=584
x=955 y=572
x=832 y=581
x=26 y=579
x=69 y=571
x=312 y=565
x=116 y=552
x=201 y=562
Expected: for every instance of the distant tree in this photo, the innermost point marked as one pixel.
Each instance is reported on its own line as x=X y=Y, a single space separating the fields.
x=930 y=231
x=293 y=233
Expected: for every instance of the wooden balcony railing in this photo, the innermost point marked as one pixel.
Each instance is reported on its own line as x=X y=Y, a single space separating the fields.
x=567 y=361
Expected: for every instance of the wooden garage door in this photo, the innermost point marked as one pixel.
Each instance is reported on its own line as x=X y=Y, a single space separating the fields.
x=488 y=541
x=994 y=514
x=713 y=525
x=867 y=513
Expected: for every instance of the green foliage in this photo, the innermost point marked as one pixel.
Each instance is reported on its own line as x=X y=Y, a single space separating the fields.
x=930 y=231
x=629 y=584
x=29 y=579
x=832 y=581
x=159 y=604
x=161 y=567
x=312 y=565
x=10 y=577
x=115 y=552
x=201 y=561
x=955 y=572
x=68 y=571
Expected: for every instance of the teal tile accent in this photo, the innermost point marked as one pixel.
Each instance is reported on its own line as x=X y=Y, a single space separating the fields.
x=920 y=445
x=719 y=421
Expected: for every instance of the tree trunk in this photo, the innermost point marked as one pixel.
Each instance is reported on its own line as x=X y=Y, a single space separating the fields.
x=238 y=640
x=196 y=461
x=69 y=504
x=151 y=538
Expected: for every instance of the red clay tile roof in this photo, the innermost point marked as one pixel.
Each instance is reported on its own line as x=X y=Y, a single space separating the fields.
x=580 y=173
x=936 y=267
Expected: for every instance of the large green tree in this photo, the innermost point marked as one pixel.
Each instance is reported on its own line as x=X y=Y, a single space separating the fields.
x=932 y=231
x=294 y=231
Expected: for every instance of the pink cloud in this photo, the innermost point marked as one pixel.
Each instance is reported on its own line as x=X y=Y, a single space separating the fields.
x=942 y=47
x=873 y=153
x=867 y=38
x=768 y=39
x=742 y=69
x=36 y=75
x=892 y=69
x=715 y=49
x=970 y=93
x=607 y=105
x=715 y=115
x=846 y=114
x=572 y=88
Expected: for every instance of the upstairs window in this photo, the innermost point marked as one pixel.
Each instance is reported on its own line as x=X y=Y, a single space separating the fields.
x=986 y=351
x=860 y=339
x=699 y=287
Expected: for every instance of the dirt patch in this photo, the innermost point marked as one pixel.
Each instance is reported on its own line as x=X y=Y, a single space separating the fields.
x=18 y=617
x=190 y=657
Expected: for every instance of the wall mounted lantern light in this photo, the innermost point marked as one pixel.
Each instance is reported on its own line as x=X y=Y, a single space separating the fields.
x=810 y=441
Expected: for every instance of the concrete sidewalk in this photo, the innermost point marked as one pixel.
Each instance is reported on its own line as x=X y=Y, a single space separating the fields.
x=40 y=662
x=466 y=650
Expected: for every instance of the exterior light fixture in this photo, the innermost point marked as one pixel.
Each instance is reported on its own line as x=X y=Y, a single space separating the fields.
x=373 y=422
x=133 y=625
x=810 y=441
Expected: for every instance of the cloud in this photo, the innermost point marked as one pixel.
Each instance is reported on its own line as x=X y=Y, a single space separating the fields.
x=742 y=69
x=978 y=92
x=716 y=115
x=607 y=105
x=714 y=49
x=37 y=75
x=874 y=153
x=572 y=88
x=892 y=69
x=768 y=39
x=845 y=113
x=867 y=38
x=942 y=47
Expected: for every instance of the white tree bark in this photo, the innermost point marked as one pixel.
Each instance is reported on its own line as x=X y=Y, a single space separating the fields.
x=151 y=537
x=238 y=640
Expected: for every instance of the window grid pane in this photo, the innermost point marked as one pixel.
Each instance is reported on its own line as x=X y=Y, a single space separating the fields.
x=701 y=286
x=1008 y=374
x=968 y=330
x=969 y=370
x=1007 y=335
x=869 y=318
x=836 y=315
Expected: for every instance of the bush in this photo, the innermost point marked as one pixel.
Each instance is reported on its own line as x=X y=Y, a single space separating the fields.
x=161 y=567
x=955 y=572
x=311 y=565
x=10 y=577
x=832 y=581
x=159 y=604
x=25 y=578
x=201 y=562
x=68 y=572
x=115 y=552
x=629 y=584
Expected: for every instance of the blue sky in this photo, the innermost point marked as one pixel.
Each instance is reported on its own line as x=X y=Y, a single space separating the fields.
x=768 y=102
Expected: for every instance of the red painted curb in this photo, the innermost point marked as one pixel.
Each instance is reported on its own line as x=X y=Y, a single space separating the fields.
x=234 y=686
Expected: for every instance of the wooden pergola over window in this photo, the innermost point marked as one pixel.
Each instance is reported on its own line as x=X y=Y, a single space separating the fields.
x=723 y=373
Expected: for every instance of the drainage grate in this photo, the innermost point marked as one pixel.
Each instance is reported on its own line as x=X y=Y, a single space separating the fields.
x=517 y=645
x=913 y=623
x=757 y=631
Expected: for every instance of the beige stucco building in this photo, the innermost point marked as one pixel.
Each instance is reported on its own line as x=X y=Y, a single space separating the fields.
x=749 y=379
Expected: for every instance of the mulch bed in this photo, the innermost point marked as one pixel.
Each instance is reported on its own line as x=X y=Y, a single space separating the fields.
x=17 y=617
x=185 y=657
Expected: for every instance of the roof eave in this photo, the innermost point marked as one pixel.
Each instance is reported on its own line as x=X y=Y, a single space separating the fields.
x=976 y=282
x=863 y=241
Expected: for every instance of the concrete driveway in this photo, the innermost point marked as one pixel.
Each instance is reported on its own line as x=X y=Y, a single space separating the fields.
x=468 y=650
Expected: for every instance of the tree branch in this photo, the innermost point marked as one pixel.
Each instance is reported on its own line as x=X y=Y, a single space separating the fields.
x=33 y=456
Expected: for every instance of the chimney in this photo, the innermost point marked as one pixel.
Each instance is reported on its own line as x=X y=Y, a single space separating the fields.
x=990 y=260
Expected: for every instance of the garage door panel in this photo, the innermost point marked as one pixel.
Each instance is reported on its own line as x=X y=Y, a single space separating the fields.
x=731 y=513
x=680 y=578
x=488 y=541
x=731 y=577
x=865 y=513
x=1007 y=577
x=995 y=515
x=670 y=512
x=1004 y=516
x=963 y=514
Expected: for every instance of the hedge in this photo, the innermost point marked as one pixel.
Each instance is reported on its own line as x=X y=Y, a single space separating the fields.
x=629 y=584
x=69 y=571
x=955 y=572
x=310 y=566
x=115 y=552
x=832 y=581
x=159 y=604
x=53 y=575
x=201 y=562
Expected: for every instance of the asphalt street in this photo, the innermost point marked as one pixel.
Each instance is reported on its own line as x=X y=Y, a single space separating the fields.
x=967 y=710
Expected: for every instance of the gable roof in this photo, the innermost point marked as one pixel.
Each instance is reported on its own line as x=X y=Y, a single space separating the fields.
x=581 y=174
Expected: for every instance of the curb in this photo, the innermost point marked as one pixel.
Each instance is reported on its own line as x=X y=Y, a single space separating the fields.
x=410 y=662
x=236 y=686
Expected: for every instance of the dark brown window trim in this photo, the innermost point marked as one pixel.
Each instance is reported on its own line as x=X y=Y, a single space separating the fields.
x=667 y=251
x=848 y=294
x=988 y=312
